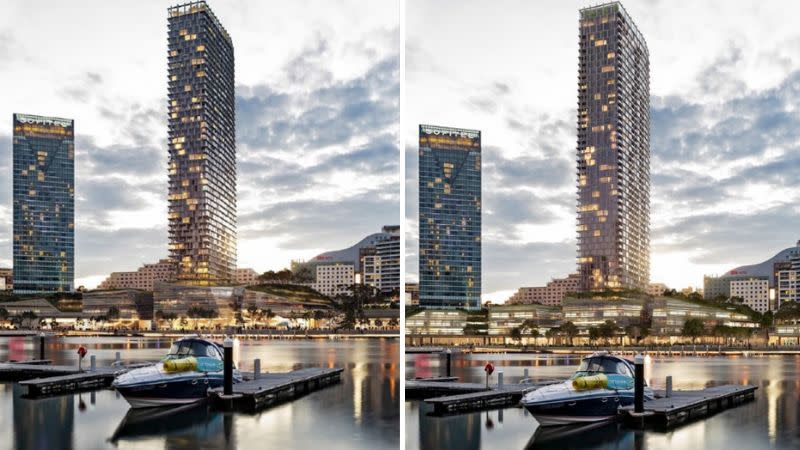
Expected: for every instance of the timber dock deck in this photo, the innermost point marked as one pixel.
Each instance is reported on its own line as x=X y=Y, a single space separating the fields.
x=495 y=397
x=26 y=370
x=76 y=382
x=683 y=406
x=272 y=388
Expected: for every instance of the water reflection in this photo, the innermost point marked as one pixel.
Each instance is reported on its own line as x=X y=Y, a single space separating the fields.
x=361 y=412
x=771 y=421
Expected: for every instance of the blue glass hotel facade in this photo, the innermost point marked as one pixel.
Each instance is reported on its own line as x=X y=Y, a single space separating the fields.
x=44 y=204
x=449 y=217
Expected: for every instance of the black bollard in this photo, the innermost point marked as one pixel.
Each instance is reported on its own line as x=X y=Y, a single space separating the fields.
x=638 y=386
x=41 y=346
x=448 y=362
x=228 y=368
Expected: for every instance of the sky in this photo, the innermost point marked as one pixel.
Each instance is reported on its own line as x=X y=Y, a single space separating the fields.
x=317 y=122
x=725 y=144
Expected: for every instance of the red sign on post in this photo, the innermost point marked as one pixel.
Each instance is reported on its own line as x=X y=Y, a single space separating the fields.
x=81 y=351
x=489 y=368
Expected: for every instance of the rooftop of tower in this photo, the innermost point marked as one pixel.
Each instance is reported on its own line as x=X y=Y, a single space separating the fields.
x=436 y=129
x=196 y=7
x=602 y=9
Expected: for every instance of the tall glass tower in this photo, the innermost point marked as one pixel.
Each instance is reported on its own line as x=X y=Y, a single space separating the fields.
x=202 y=146
x=613 y=151
x=44 y=204
x=449 y=217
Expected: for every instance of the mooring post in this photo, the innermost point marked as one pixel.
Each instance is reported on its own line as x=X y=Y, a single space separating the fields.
x=92 y=363
x=228 y=368
x=669 y=386
x=499 y=379
x=41 y=346
x=117 y=358
x=256 y=368
x=638 y=387
x=525 y=374
x=448 y=354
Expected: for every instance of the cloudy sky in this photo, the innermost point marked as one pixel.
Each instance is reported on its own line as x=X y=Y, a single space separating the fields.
x=317 y=122
x=725 y=90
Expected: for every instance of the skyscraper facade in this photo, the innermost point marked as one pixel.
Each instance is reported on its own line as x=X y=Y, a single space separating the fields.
x=44 y=204
x=449 y=217
x=202 y=146
x=613 y=151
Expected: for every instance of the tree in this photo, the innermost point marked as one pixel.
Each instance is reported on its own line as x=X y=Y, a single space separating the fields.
x=693 y=328
x=549 y=334
x=594 y=334
x=183 y=322
x=303 y=274
x=29 y=318
x=516 y=334
x=252 y=312
x=608 y=330
x=195 y=313
x=636 y=332
x=269 y=315
x=570 y=330
x=3 y=315
x=113 y=313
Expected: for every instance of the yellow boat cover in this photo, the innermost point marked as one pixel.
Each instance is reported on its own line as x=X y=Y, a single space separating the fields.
x=181 y=364
x=587 y=382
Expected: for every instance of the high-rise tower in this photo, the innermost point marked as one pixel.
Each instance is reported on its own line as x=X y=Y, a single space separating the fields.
x=44 y=204
x=449 y=217
x=613 y=151
x=202 y=146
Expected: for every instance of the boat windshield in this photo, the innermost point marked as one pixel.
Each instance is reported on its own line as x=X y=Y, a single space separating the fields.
x=183 y=349
x=603 y=365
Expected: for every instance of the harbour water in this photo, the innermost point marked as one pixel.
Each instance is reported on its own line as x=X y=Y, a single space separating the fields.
x=772 y=421
x=361 y=412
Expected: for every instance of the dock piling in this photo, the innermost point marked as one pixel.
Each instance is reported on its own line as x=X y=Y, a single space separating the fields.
x=525 y=374
x=256 y=368
x=41 y=346
x=499 y=379
x=228 y=368
x=669 y=386
x=448 y=353
x=92 y=363
x=117 y=358
x=638 y=387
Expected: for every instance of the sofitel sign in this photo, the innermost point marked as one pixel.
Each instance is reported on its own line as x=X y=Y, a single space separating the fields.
x=452 y=132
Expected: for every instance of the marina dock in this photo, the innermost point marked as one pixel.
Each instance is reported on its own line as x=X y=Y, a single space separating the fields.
x=272 y=388
x=683 y=406
x=76 y=382
x=26 y=370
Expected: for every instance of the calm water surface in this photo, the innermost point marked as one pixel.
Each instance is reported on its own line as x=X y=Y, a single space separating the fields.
x=362 y=412
x=772 y=421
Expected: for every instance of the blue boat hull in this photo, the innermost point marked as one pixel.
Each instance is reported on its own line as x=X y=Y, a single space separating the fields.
x=583 y=410
x=170 y=392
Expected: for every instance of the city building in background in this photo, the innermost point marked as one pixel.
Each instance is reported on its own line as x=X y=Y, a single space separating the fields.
x=202 y=146
x=174 y=298
x=613 y=151
x=656 y=289
x=503 y=318
x=132 y=304
x=427 y=322
x=669 y=315
x=6 y=278
x=412 y=294
x=754 y=292
x=143 y=278
x=334 y=279
x=591 y=312
x=787 y=281
x=777 y=268
x=246 y=276
x=551 y=294
x=449 y=217
x=43 y=204
x=380 y=265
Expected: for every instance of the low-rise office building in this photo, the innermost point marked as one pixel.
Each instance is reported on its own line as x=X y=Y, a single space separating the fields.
x=179 y=298
x=133 y=305
x=593 y=312
x=504 y=318
x=437 y=322
x=656 y=289
x=246 y=276
x=670 y=314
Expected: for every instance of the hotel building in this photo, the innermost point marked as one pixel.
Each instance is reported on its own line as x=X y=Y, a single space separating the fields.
x=202 y=146
x=613 y=151
x=551 y=294
x=449 y=217
x=44 y=204
x=143 y=278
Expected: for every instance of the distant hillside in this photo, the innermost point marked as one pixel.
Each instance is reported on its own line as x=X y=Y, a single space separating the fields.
x=294 y=293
